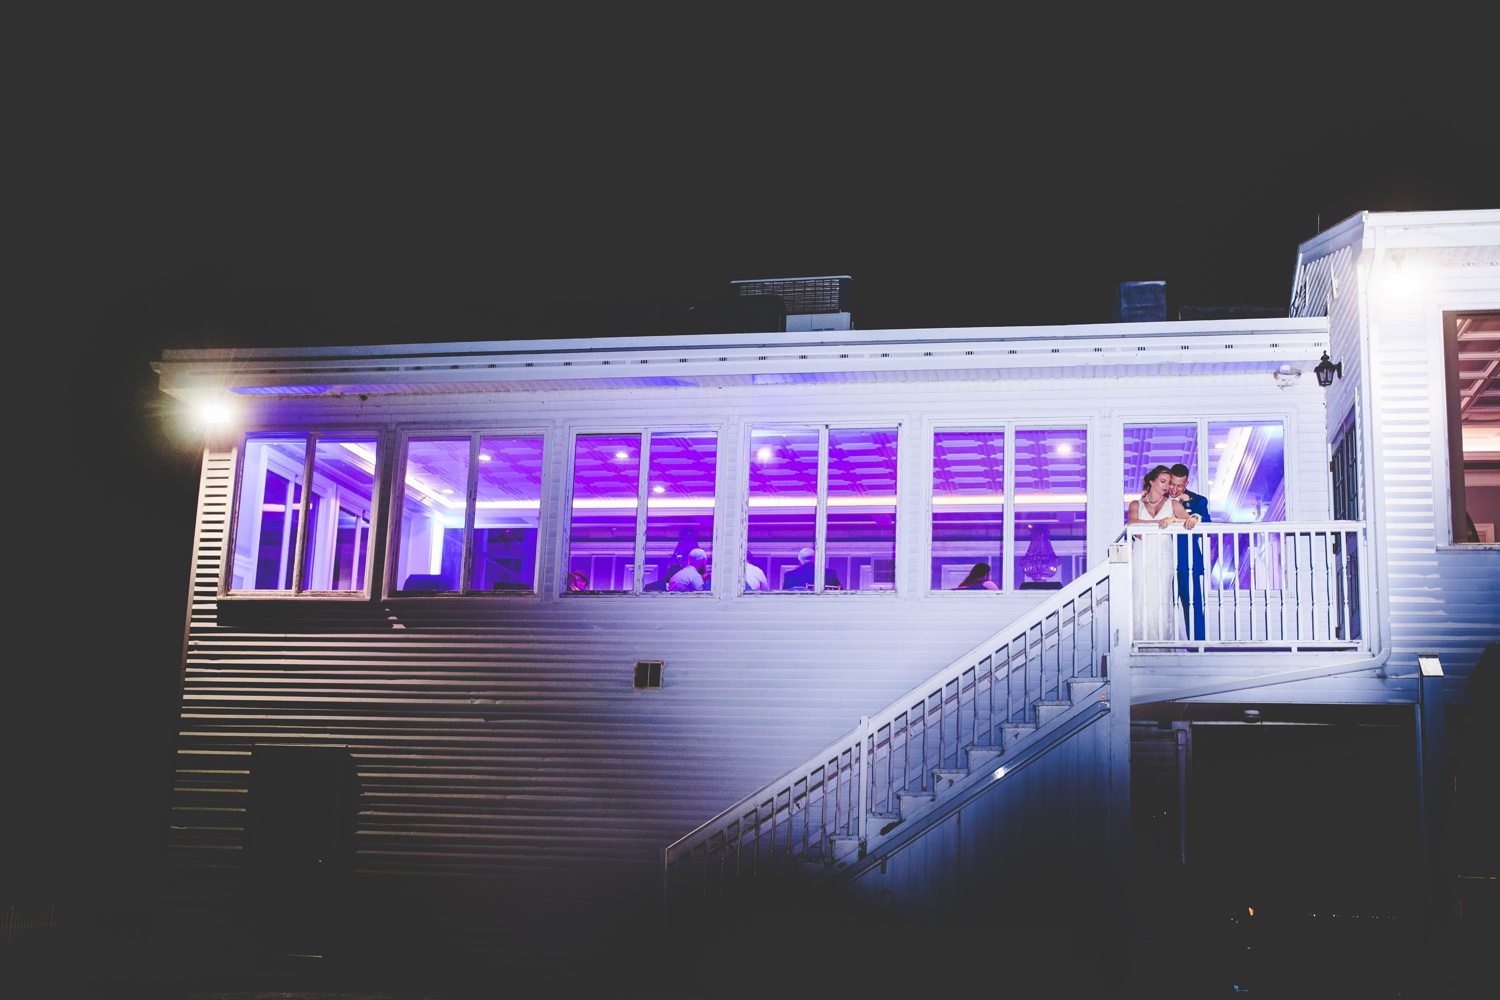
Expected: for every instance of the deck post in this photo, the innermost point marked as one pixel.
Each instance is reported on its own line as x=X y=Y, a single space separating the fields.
x=1431 y=771
x=1118 y=638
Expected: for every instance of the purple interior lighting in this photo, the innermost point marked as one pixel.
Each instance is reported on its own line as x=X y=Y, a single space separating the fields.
x=429 y=551
x=508 y=502
x=783 y=515
x=601 y=535
x=269 y=510
x=1247 y=480
x=679 y=503
x=861 y=533
x=336 y=555
x=968 y=505
x=335 y=542
x=1051 y=493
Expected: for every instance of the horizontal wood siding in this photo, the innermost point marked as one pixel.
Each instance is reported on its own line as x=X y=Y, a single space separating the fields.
x=499 y=744
x=1438 y=599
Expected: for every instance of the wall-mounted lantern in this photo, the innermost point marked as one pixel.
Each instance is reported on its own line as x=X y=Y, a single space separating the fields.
x=1326 y=370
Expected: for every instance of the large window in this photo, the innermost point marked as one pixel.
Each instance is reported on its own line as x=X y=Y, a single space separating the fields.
x=1472 y=352
x=1051 y=491
x=303 y=519
x=1243 y=475
x=468 y=515
x=662 y=521
x=822 y=508
x=1021 y=522
x=968 y=508
x=1246 y=477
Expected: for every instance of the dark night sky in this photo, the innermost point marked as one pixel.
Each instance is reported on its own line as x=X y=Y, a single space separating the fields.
x=270 y=177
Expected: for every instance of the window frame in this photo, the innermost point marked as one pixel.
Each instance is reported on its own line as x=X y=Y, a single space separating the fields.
x=563 y=550
x=373 y=542
x=1011 y=429
x=820 y=522
x=397 y=480
x=1450 y=480
x=1197 y=483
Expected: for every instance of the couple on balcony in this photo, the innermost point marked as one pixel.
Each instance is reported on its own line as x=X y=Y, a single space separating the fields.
x=1167 y=503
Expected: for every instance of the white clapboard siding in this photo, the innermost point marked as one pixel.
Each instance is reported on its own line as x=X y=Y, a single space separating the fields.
x=1432 y=598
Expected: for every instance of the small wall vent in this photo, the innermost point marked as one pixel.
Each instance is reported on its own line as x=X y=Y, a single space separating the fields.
x=648 y=674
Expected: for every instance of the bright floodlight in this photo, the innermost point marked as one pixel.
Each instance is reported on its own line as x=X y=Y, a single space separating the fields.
x=215 y=413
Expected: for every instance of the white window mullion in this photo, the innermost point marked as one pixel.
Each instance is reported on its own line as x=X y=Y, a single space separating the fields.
x=1008 y=546
x=471 y=492
x=299 y=547
x=642 y=497
x=820 y=533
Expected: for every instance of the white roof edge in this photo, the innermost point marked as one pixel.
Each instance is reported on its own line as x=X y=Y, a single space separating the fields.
x=1175 y=329
x=1355 y=227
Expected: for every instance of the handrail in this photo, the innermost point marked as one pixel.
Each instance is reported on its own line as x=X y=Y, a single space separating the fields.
x=825 y=804
x=1298 y=585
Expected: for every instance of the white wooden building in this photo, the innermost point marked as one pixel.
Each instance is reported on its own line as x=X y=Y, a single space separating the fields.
x=383 y=618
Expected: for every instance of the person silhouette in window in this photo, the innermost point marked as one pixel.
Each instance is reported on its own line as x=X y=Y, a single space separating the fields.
x=801 y=578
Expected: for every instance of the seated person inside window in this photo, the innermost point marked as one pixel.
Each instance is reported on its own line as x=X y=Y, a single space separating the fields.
x=690 y=577
x=801 y=578
x=978 y=579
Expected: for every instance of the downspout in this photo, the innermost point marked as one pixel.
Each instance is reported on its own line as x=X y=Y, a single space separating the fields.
x=1376 y=513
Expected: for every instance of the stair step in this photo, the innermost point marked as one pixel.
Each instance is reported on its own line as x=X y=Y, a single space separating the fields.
x=845 y=848
x=914 y=803
x=944 y=779
x=1080 y=688
x=981 y=758
x=1046 y=711
x=1012 y=733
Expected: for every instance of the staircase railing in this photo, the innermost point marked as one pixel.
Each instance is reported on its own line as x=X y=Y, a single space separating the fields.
x=824 y=808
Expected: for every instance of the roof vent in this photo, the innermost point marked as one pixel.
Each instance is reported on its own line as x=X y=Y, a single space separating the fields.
x=1141 y=302
x=811 y=303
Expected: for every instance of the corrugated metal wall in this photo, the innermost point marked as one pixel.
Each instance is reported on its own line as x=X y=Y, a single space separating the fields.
x=499 y=744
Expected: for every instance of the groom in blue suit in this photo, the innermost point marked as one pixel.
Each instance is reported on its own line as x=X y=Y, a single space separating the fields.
x=1189 y=575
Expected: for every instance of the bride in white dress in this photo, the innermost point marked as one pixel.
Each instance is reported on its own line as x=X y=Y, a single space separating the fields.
x=1154 y=556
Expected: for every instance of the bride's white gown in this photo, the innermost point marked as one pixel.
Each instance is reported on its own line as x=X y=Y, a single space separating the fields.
x=1154 y=571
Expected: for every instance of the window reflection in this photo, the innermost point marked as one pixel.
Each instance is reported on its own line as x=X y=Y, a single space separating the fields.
x=1246 y=478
